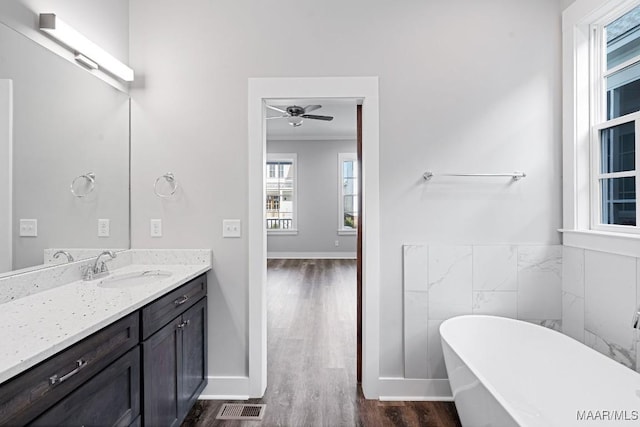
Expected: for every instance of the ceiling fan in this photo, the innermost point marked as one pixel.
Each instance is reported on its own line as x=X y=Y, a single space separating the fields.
x=295 y=114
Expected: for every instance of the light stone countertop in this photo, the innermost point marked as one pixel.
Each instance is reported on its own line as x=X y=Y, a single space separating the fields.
x=37 y=326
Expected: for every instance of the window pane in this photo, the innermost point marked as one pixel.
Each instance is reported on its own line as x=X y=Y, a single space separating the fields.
x=623 y=92
x=619 y=201
x=350 y=220
x=348 y=203
x=350 y=213
x=279 y=183
x=618 y=148
x=623 y=38
x=347 y=169
x=350 y=186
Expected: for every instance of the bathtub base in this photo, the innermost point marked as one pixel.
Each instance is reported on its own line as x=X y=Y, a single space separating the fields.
x=475 y=405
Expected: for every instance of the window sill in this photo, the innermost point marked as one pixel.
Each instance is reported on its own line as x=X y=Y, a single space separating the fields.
x=287 y=232
x=603 y=241
x=347 y=232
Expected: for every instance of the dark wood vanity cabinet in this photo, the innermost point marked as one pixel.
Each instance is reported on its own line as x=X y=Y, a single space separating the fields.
x=147 y=368
x=174 y=367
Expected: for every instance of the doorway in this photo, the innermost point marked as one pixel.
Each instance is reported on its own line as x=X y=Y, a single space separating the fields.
x=312 y=217
x=365 y=90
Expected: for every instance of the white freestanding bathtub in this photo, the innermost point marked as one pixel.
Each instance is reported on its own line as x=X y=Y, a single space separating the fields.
x=506 y=372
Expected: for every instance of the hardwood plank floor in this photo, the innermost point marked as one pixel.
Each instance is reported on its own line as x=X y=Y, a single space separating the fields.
x=311 y=364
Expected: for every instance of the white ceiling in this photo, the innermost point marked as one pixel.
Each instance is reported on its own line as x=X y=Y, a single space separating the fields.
x=343 y=125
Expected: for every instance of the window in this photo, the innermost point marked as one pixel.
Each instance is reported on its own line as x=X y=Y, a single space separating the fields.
x=616 y=117
x=348 y=209
x=281 y=200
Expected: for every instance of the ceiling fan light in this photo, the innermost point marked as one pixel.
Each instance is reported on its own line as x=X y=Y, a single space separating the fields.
x=295 y=121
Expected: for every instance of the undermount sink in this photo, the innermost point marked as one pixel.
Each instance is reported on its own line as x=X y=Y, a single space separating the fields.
x=136 y=278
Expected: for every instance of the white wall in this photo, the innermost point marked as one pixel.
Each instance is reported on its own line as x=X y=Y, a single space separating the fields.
x=6 y=180
x=464 y=86
x=317 y=199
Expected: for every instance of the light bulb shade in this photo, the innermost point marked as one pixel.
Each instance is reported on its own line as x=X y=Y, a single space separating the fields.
x=66 y=35
x=295 y=121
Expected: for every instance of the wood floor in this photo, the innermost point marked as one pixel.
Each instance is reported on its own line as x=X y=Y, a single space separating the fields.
x=311 y=357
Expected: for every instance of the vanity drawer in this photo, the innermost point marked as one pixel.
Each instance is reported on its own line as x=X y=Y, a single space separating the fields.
x=163 y=310
x=34 y=391
x=111 y=398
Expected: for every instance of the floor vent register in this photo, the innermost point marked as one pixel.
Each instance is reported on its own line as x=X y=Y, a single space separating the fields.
x=241 y=411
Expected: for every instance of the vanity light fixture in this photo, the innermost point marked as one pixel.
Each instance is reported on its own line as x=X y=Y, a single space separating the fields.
x=86 y=61
x=69 y=37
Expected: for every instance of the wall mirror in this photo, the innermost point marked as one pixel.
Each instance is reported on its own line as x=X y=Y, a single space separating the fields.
x=61 y=128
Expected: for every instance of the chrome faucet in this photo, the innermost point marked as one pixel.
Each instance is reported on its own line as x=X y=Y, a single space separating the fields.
x=65 y=253
x=99 y=268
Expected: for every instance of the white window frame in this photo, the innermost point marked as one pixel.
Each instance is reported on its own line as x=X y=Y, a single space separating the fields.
x=343 y=157
x=597 y=175
x=599 y=122
x=583 y=97
x=293 y=158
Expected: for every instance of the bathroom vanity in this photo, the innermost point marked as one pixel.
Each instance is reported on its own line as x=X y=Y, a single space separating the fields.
x=111 y=351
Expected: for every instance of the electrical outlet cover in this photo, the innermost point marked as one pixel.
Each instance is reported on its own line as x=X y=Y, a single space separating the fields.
x=104 y=228
x=28 y=228
x=156 y=228
x=231 y=228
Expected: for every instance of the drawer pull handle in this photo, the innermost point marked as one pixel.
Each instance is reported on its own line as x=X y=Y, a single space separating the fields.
x=55 y=380
x=184 y=323
x=181 y=300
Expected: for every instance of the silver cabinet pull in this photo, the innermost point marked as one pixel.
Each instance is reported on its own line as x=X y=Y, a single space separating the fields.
x=181 y=300
x=55 y=380
x=183 y=324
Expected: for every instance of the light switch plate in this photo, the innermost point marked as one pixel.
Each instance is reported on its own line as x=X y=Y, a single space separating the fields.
x=103 y=227
x=231 y=228
x=156 y=228
x=28 y=228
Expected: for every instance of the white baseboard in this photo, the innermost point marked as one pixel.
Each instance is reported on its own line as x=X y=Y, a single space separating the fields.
x=311 y=255
x=391 y=389
x=226 y=388
x=407 y=389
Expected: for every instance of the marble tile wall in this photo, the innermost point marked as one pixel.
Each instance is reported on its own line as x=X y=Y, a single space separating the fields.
x=600 y=294
x=518 y=281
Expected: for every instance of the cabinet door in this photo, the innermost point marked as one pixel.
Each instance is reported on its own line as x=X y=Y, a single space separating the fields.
x=161 y=361
x=194 y=355
x=111 y=398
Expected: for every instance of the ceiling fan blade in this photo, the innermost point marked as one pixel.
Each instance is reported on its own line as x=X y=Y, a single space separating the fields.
x=311 y=116
x=310 y=108
x=278 y=109
x=277 y=117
